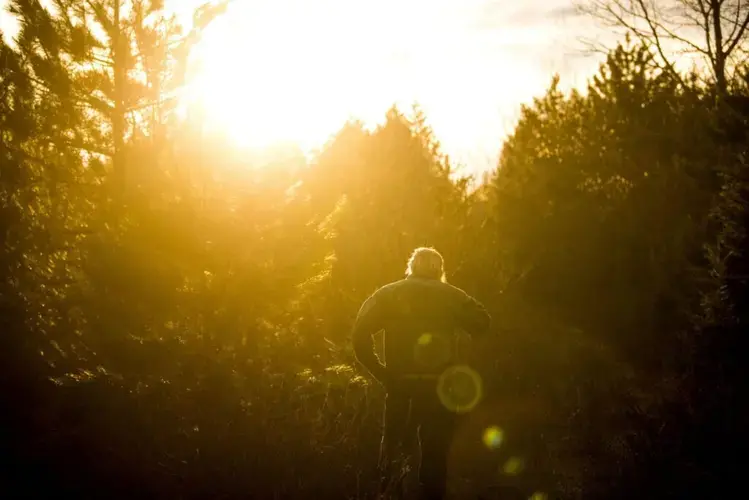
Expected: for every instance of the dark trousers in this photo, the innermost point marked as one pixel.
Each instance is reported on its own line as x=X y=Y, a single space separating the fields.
x=413 y=412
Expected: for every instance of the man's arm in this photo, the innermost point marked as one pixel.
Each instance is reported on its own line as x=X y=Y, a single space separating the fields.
x=369 y=321
x=473 y=316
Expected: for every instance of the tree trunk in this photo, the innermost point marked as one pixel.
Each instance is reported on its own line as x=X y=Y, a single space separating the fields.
x=719 y=64
x=118 y=118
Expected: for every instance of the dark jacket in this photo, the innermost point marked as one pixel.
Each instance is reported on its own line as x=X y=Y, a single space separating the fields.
x=421 y=319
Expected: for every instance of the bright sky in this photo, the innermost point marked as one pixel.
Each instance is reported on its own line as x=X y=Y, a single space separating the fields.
x=296 y=70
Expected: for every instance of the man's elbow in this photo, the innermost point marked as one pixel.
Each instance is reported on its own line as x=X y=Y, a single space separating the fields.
x=360 y=344
x=483 y=323
x=481 y=319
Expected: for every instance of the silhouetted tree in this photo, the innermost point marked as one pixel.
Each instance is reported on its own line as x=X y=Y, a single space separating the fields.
x=713 y=30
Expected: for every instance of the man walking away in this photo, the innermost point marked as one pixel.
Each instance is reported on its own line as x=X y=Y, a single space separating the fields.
x=420 y=316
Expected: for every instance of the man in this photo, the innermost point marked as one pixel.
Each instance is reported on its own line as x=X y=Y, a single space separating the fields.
x=420 y=316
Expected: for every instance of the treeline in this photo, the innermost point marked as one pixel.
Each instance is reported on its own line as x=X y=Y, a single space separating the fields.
x=175 y=317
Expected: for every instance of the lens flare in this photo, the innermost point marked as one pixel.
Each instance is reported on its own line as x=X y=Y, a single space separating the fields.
x=539 y=496
x=493 y=437
x=460 y=388
x=432 y=351
x=513 y=466
x=425 y=339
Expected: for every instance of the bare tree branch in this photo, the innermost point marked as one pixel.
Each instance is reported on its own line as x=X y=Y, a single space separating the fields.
x=705 y=12
x=656 y=27
x=711 y=29
x=739 y=36
x=735 y=22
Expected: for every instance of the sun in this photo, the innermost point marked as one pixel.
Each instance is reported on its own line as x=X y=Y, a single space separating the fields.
x=270 y=73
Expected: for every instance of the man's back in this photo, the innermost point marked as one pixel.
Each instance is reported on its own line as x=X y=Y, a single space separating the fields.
x=421 y=319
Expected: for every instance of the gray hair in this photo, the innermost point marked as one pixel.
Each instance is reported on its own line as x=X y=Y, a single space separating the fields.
x=426 y=262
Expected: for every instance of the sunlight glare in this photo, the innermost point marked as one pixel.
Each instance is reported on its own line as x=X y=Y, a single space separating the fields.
x=286 y=71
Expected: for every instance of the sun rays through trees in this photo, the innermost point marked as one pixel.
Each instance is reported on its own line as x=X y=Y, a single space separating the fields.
x=175 y=310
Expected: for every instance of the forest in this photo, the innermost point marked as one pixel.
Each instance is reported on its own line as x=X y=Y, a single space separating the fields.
x=175 y=315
